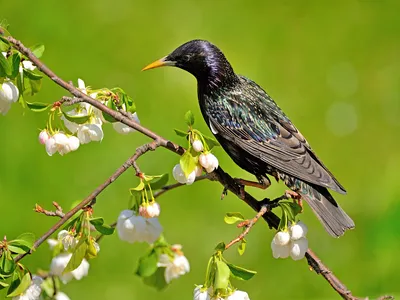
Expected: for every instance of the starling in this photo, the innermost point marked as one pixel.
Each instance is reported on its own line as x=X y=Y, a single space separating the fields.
x=256 y=133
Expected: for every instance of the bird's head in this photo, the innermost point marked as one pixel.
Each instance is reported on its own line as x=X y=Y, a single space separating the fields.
x=200 y=58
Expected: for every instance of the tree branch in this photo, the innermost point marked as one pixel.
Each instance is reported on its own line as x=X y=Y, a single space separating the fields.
x=219 y=175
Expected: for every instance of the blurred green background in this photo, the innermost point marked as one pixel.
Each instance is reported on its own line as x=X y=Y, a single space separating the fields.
x=332 y=66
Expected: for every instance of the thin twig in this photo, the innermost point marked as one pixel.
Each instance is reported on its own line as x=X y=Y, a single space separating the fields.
x=248 y=224
x=57 y=213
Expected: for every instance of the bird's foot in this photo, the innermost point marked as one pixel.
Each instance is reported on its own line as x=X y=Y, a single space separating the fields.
x=270 y=204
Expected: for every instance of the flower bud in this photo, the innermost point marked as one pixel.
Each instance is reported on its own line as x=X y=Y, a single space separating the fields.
x=43 y=136
x=9 y=94
x=298 y=230
x=282 y=238
x=151 y=210
x=197 y=146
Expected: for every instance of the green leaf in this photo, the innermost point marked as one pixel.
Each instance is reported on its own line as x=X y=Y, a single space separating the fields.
x=14 y=62
x=5 y=69
x=188 y=163
x=220 y=247
x=242 y=247
x=37 y=106
x=156 y=280
x=32 y=75
x=147 y=265
x=189 y=118
x=105 y=229
x=222 y=275
x=296 y=208
x=23 y=285
x=211 y=142
x=139 y=187
x=233 y=217
x=181 y=132
x=7 y=264
x=19 y=249
x=77 y=119
x=26 y=239
x=77 y=257
x=38 y=50
x=4 y=44
x=158 y=184
x=3 y=285
x=107 y=117
x=241 y=273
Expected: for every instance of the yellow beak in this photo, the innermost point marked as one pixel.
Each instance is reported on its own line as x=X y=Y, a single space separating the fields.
x=159 y=63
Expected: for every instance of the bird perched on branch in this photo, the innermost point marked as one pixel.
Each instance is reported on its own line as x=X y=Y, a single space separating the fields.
x=256 y=133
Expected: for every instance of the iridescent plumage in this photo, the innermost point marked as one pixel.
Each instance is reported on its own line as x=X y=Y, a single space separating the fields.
x=256 y=133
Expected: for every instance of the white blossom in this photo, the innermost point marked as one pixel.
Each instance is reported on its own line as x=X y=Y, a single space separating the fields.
x=149 y=210
x=208 y=161
x=9 y=94
x=134 y=228
x=43 y=136
x=197 y=146
x=52 y=243
x=282 y=238
x=90 y=132
x=67 y=239
x=174 y=267
x=298 y=248
x=179 y=175
x=200 y=294
x=27 y=64
x=298 y=230
x=61 y=143
x=33 y=291
x=125 y=129
x=293 y=242
x=59 y=263
x=238 y=295
x=61 y=296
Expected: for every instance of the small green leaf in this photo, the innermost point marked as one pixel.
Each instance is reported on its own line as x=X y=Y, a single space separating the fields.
x=233 y=217
x=19 y=249
x=188 y=163
x=242 y=247
x=147 y=265
x=91 y=251
x=296 y=208
x=105 y=229
x=77 y=119
x=107 y=117
x=23 y=285
x=3 y=285
x=140 y=186
x=5 y=69
x=156 y=280
x=77 y=257
x=222 y=275
x=211 y=142
x=38 y=106
x=158 y=184
x=14 y=62
x=7 y=264
x=241 y=273
x=38 y=50
x=220 y=247
x=181 y=132
x=32 y=75
x=4 y=44
x=26 y=239
x=189 y=118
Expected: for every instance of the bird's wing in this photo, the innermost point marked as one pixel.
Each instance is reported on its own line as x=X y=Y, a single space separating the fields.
x=263 y=131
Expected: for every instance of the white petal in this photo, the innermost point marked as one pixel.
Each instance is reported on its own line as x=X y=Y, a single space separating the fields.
x=197 y=146
x=28 y=65
x=238 y=295
x=71 y=126
x=43 y=136
x=73 y=143
x=51 y=146
x=178 y=267
x=58 y=263
x=178 y=174
x=122 y=128
x=298 y=248
x=81 y=271
x=9 y=92
x=152 y=231
x=279 y=251
x=191 y=178
x=61 y=296
x=198 y=294
x=298 y=230
x=60 y=138
x=52 y=243
x=164 y=260
x=131 y=228
x=282 y=238
x=81 y=86
x=90 y=132
x=204 y=160
x=4 y=107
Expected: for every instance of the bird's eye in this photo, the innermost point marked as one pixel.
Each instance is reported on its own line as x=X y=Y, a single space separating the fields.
x=187 y=57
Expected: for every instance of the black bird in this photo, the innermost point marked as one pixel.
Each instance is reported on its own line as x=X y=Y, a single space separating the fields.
x=256 y=133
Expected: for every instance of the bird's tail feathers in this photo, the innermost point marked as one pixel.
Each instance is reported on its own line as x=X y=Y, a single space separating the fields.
x=330 y=214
